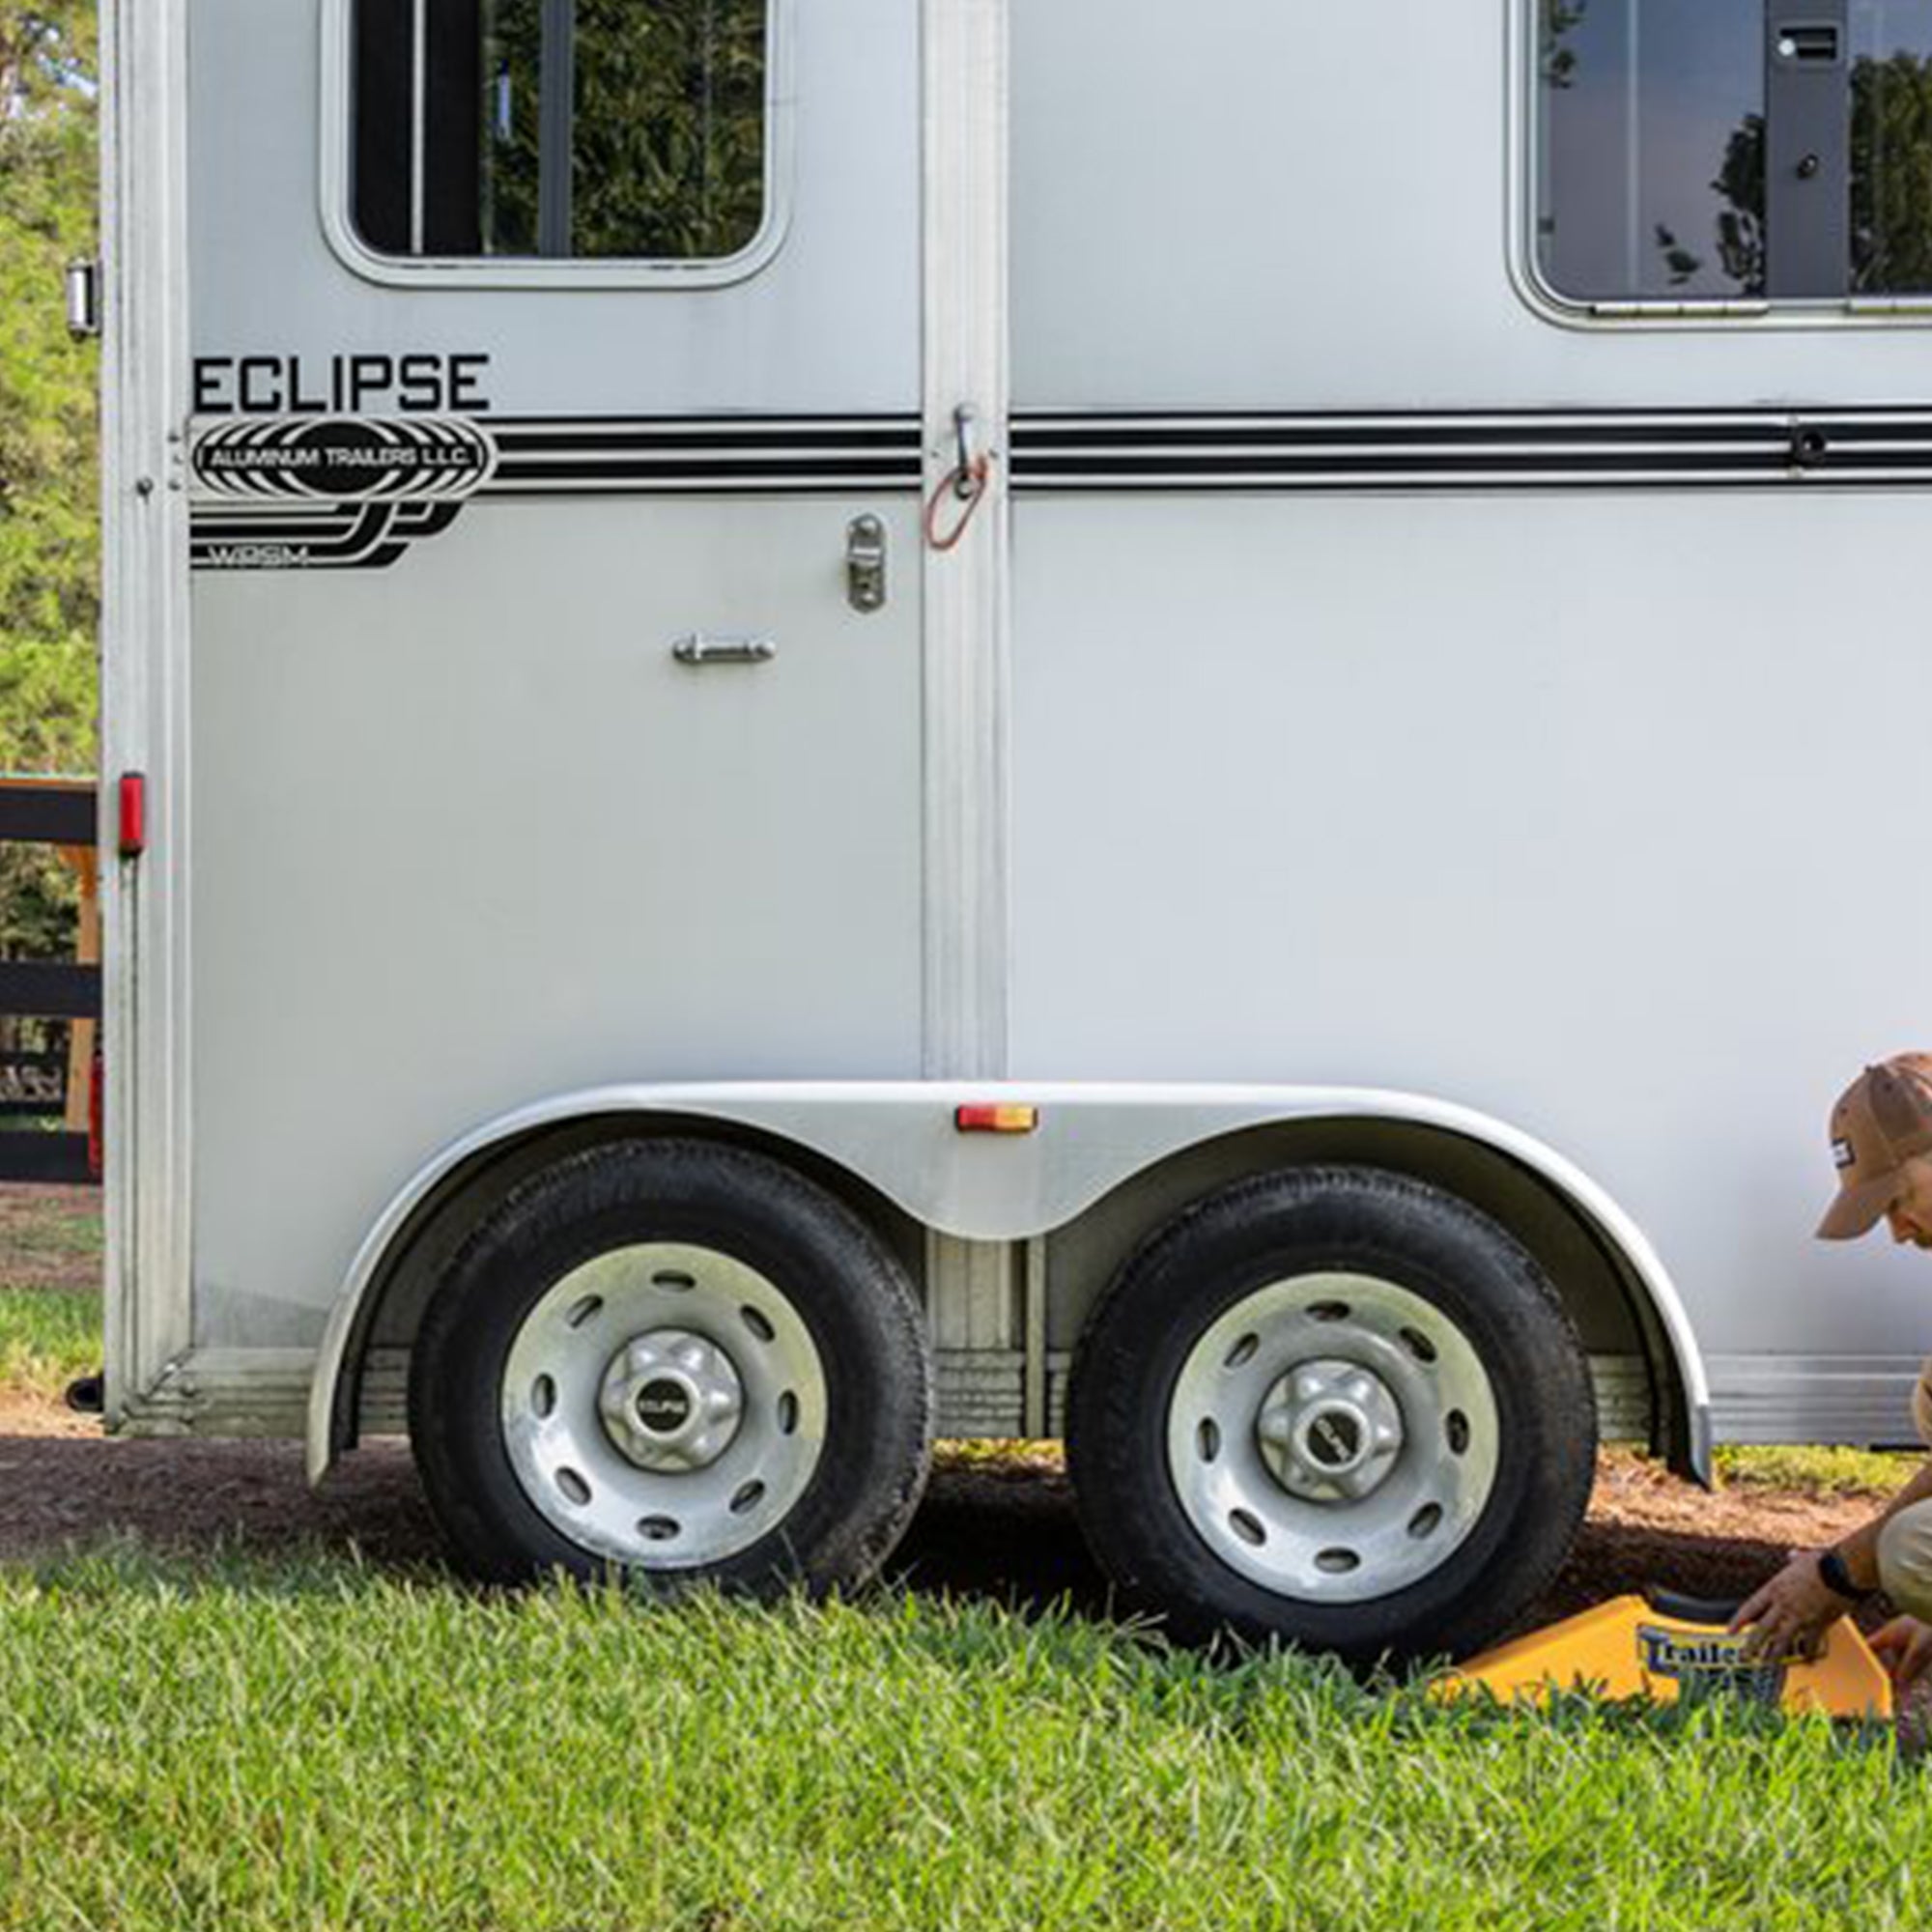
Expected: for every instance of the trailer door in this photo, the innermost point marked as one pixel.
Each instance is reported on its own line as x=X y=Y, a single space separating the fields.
x=556 y=674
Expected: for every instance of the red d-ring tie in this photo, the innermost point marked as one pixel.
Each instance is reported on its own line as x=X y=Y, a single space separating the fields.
x=967 y=481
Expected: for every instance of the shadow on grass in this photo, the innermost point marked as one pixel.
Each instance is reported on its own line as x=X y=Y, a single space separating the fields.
x=1007 y=1536
x=1010 y=1537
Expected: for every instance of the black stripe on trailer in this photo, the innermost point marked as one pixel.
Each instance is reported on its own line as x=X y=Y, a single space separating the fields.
x=1469 y=449
x=1402 y=482
x=716 y=473
x=616 y=437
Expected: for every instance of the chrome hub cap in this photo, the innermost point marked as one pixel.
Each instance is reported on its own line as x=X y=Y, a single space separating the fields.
x=671 y=1400
x=663 y=1406
x=1333 y=1438
x=1329 y=1430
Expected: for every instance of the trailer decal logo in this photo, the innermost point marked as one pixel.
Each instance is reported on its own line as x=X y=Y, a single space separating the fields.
x=1699 y=1663
x=354 y=492
x=312 y=536
x=343 y=459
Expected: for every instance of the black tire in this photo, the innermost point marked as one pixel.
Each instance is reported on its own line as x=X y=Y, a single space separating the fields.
x=849 y=1294
x=1216 y=1256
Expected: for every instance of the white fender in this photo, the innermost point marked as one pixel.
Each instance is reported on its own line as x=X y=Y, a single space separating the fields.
x=900 y=1137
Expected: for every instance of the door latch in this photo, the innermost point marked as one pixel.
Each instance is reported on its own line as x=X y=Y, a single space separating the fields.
x=82 y=282
x=866 y=563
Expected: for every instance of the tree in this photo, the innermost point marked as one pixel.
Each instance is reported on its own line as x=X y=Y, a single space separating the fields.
x=1891 y=175
x=668 y=156
x=1556 y=20
x=49 y=601
x=1890 y=188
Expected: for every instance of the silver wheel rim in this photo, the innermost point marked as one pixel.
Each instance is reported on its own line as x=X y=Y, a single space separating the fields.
x=663 y=1406
x=1333 y=1438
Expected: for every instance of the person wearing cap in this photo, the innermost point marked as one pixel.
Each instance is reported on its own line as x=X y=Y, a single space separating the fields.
x=1882 y=1146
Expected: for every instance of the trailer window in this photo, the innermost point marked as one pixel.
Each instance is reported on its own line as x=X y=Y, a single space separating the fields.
x=573 y=130
x=1743 y=149
x=1647 y=113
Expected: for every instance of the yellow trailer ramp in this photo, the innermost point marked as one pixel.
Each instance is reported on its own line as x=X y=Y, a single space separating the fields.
x=1672 y=1648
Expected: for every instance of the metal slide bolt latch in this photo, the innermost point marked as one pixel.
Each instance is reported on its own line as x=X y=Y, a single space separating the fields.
x=967 y=468
x=968 y=484
x=865 y=564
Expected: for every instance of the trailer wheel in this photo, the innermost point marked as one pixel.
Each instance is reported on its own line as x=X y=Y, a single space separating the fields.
x=679 y=1361
x=1336 y=1407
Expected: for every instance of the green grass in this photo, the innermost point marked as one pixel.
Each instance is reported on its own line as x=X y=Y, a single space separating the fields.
x=1816 y=1471
x=48 y=1231
x=308 y=1743
x=317 y=1746
x=51 y=1238
x=50 y=1245
x=47 y=1336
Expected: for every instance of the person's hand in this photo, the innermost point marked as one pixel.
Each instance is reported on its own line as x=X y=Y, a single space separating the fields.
x=1905 y=1647
x=1789 y=1610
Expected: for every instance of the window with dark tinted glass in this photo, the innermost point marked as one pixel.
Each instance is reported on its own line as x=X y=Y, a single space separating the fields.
x=1648 y=116
x=1713 y=149
x=603 y=130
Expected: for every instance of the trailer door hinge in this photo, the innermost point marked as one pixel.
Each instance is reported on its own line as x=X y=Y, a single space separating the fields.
x=83 y=298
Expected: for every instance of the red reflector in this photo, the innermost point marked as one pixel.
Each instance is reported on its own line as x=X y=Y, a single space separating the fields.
x=1000 y=1119
x=134 y=814
x=96 y=1143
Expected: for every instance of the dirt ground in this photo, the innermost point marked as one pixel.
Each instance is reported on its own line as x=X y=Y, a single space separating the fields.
x=1006 y=1531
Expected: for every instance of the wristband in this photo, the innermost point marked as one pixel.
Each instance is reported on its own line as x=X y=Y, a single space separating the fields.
x=1836 y=1579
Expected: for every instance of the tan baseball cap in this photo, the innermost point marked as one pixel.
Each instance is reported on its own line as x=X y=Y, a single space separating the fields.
x=1882 y=1120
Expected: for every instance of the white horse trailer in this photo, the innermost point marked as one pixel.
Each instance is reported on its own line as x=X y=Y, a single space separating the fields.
x=1183 y=726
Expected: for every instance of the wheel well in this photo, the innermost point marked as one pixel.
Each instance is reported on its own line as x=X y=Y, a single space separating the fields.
x=1640 y=1383
x=415 y=1260
x=1641 y=1392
